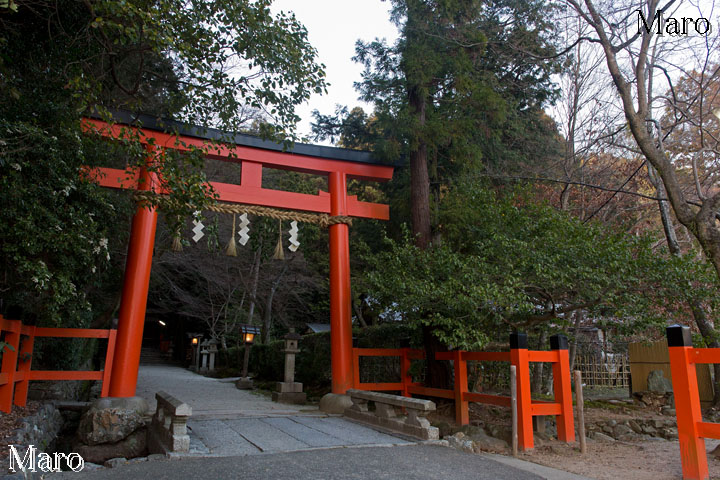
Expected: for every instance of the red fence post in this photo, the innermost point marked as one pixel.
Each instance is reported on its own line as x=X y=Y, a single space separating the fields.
x=24 y=363
x=109 y=356
x=356 y=368
x=519 y=358
x=563 y=390
x=462 y=416
x=687 y=403
x=9 y=363
x=405 y=376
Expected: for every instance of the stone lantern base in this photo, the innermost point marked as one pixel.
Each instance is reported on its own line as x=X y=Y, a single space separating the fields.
x=244 y=383
x=289 y=392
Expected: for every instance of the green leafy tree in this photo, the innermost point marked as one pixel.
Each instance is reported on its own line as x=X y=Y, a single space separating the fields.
x=201 y=61
x=509 y=264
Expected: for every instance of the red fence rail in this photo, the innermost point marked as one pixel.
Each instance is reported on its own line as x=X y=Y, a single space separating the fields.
x=519 y=355
x=16 y=373
x=692 y=431
x=406 y=355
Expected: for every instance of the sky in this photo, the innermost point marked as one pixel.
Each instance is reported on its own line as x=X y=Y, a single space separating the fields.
x=333 y=28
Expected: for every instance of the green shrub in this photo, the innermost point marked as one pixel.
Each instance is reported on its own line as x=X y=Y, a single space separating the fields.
x=312 y=364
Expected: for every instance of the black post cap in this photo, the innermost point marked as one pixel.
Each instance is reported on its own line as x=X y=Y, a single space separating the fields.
x=678 y=336
x=558 y=342
x=518 y=340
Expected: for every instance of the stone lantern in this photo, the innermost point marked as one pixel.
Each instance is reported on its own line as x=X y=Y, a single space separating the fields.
x=204 y=352
x=212 y=350
x=195 y=345
x=248 y=333
x=290 y=391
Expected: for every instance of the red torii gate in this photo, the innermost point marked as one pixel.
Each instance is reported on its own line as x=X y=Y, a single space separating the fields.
x=253 y=154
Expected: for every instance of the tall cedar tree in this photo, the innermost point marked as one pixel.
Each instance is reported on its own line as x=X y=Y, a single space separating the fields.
x=444 y=95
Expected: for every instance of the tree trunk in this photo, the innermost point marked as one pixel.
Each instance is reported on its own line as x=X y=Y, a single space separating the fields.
x=419 y=177
x=436 y=373
x=579 y=314
x=358 y=311
x=702 y=224
x=267 y=317
x=704 y=324
x=253 y=287
x=537 y=379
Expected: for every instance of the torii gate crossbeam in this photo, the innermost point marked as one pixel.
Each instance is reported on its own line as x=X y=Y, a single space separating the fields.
x=337 y=164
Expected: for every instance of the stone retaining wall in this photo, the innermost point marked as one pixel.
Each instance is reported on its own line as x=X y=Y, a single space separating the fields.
x=40 y=429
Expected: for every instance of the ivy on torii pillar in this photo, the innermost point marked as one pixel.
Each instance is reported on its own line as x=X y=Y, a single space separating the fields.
x=337 y=164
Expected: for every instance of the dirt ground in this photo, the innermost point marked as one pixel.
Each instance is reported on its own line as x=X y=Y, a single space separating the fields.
x=658 y=459
x=652 y=460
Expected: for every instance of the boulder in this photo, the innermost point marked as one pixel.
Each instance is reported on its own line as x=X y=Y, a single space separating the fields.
x=657 y=382
x=636 y=427
x=630 y=437
x=668 y=410
x=110 y=425
x=485 y=443
x=460 y=442
x=115 y=462
x=601 y=437
x=716 y=453
x=654 y=399
x=135 y=445
x=621 y=430
x=335 y=403
x=649 y=429
x=504 y=432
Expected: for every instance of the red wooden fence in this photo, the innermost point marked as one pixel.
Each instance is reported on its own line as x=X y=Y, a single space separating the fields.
x=692 y=431
x=15 y=374
x=518 y=355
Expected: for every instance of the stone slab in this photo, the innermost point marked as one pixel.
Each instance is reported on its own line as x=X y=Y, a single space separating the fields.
x=244 y=383
x=265 y=436
x=395 y=424
x=304 y=433
x=137 y=404
x=293 y=398
x=396 y=400
x=172 y=405
x=221 y=439
x=290 y=387
x=352 y=433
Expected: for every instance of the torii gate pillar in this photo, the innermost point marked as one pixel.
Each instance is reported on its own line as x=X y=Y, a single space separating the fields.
x=340 y=320
x=131 y=321
x=254 y=155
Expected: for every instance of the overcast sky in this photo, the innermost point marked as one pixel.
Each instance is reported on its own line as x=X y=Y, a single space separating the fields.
x=333 y=28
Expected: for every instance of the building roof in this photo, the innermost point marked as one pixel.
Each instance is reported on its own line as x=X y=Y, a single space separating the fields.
x=318 y=327
x=152 y=122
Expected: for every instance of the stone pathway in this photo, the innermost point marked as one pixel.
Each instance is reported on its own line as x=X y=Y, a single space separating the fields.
x=208 y=397
x=237 y=434
x=226 y=421
x=250 y=436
